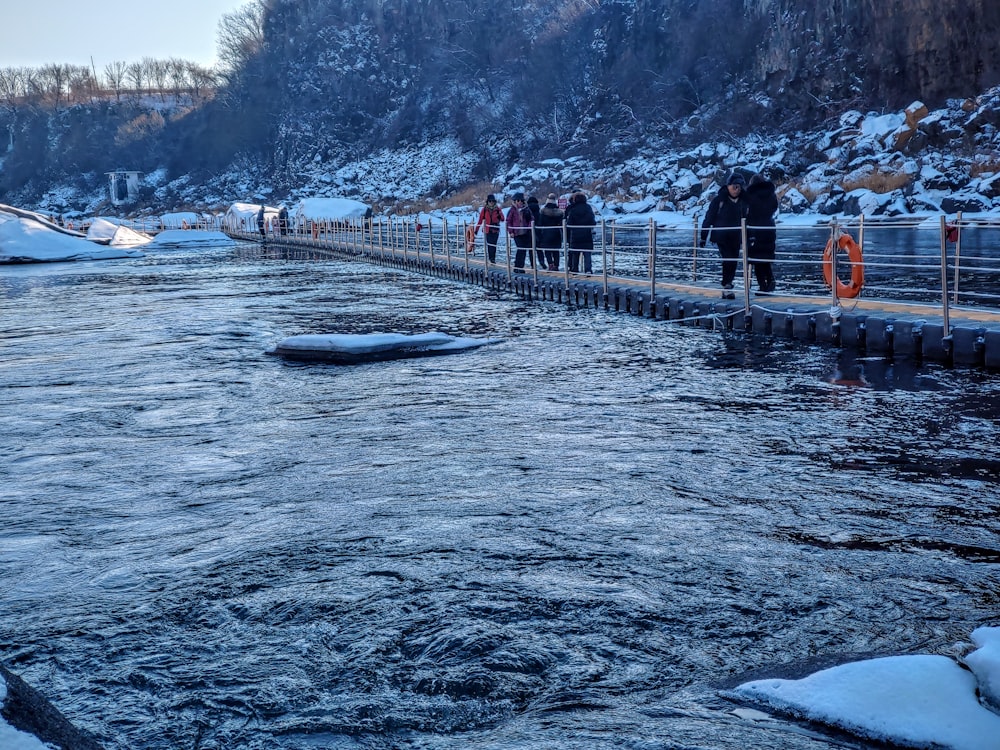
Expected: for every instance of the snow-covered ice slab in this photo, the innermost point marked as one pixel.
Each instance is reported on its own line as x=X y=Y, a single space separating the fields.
x=985 y=664
x=348 y=348
x=191 y=238
x=27 y=240
x=922 y=701
x=106 y=232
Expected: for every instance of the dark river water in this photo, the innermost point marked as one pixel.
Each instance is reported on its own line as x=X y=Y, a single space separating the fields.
x=579 y=537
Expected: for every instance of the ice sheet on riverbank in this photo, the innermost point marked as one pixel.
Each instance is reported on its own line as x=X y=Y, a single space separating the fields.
x=24 y=240
x=913 y=701
x=348 y=348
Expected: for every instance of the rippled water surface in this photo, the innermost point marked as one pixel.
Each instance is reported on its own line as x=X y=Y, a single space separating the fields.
x=576 y=538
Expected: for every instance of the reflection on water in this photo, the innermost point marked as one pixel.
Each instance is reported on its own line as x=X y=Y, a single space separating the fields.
x=574 y=538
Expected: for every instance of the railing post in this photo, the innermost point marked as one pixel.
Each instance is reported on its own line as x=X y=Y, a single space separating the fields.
x=944 y=279
x=694 y=259
x=861 y=234
x=652 y=258
x=614 y=239
x=745 y=248
x=834 y=247
x=565 y=253
x=445 y=244
x=507 y=236
x=465 y=246
x=958 y=252
x=604 y=256
x=534 y=253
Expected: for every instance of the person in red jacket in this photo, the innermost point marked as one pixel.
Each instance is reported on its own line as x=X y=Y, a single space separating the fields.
x=490 y=217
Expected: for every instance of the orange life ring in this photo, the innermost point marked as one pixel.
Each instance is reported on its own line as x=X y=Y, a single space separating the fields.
x=470 y=239
x=846 y=243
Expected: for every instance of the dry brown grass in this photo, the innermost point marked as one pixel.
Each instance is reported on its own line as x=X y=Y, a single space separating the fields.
x=987 y=165
x=878 y=182
x=810 y=195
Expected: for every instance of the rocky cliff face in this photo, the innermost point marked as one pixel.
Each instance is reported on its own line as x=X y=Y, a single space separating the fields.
x=823 y=56
x=528 y=79
x=561 y=72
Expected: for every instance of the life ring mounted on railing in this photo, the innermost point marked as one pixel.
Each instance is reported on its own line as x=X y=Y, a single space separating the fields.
x=848 y=245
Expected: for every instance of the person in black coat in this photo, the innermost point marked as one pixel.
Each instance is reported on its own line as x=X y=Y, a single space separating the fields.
x=762 y=236
x=722 y=224
x=549 y=228
x=580 y=223
x=261 y=224
x=535 y=210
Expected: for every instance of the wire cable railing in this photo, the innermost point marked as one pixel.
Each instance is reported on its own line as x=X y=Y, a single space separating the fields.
x=943 y=262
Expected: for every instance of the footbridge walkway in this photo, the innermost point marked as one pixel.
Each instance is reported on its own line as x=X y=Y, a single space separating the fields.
x=929 y=289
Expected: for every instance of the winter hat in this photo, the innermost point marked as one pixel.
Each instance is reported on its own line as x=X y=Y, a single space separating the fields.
x=551 y=198
x=518 y=197
x=491 y=198
x=532 y=200
x=737 y=179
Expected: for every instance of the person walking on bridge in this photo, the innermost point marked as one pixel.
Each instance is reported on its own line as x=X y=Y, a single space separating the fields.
x=550 y=231
x=261 y=224
x=762 y=236
x=580 y=223
x=490 y=217
x=722 y=224
x=519 y=221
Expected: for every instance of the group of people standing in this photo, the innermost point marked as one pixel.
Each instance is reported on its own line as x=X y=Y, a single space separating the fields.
x=531 y=224
x=541 y=225
x=735 y=203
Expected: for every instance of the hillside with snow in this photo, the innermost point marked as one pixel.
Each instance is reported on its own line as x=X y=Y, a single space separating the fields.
x=636 y=101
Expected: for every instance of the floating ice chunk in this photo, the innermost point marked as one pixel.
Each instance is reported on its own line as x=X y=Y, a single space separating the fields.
x=349 y=348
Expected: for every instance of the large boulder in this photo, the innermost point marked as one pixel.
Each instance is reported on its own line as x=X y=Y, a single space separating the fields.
x=967 y=201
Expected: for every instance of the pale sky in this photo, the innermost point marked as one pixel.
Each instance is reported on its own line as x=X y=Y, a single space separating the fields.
x=37 y=32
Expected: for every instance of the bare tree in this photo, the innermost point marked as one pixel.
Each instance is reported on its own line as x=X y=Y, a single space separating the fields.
x=13 y=87
x=114 y=77
x=177 y=72
x=149 y=66
x=201 y=78
x=158 y=74
x=240 y=35
x=82 y=84
x=54 y=79
x=136 y=76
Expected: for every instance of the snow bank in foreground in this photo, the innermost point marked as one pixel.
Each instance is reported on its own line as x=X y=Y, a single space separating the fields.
x=985 y=664
x=14 y=739
x=26 y=241
x=918 y=701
